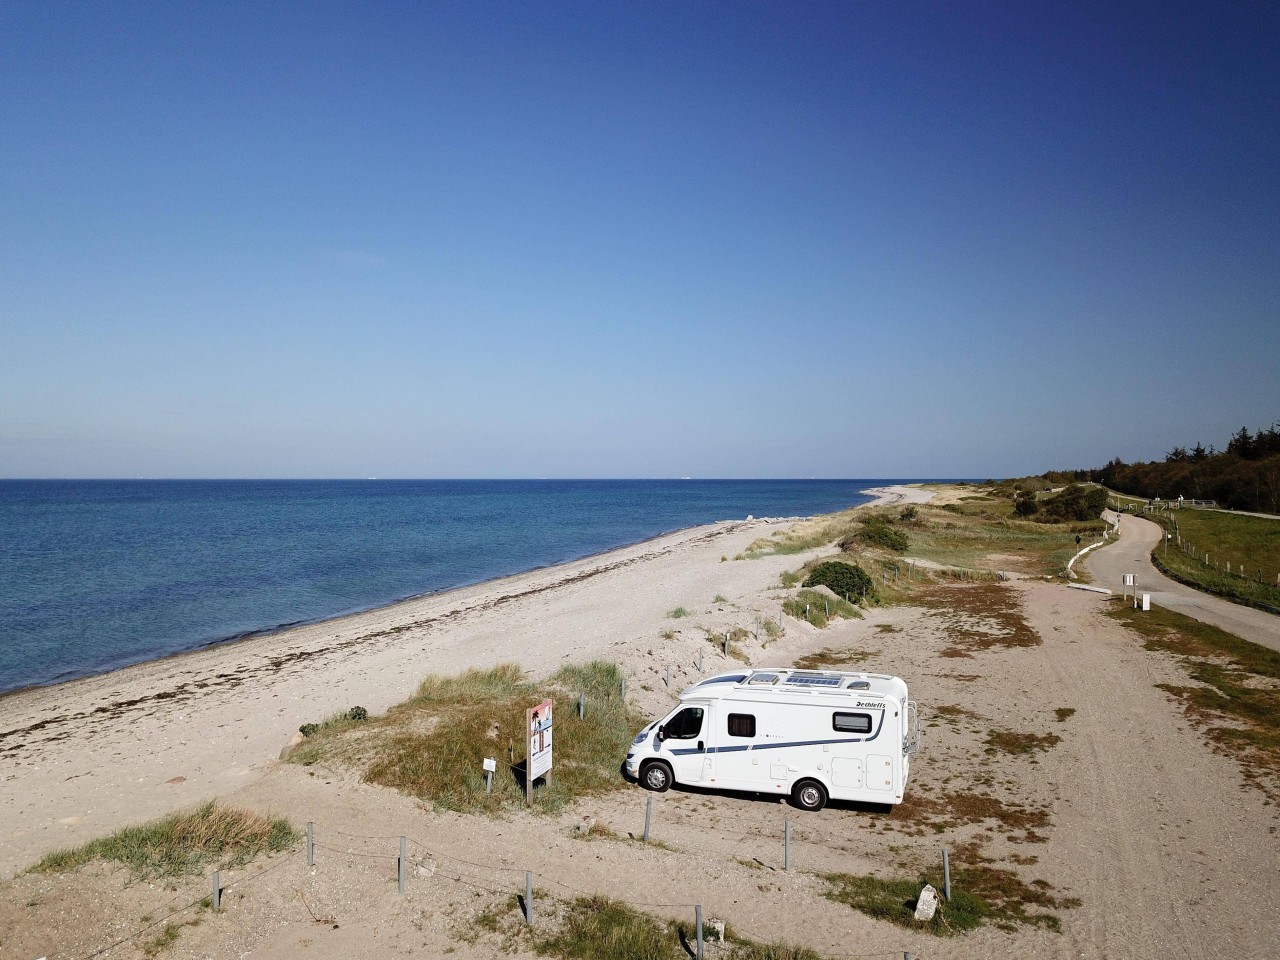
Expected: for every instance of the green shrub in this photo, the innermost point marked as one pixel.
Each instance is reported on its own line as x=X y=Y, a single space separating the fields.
x=1073 y=503
x=878 y=531
x=1026 y=506
x=843 y=579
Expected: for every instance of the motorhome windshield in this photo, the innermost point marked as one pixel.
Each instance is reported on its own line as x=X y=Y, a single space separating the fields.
x=685 y=725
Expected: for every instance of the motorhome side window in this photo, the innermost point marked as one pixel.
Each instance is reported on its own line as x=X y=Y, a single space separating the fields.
x=685 y=725
x=742 y=725
x=851 y=722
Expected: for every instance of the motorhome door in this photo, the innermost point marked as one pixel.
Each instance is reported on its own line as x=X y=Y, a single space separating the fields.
x=687 y=742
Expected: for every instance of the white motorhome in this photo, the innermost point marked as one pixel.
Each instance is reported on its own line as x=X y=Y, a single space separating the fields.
x=813 y=734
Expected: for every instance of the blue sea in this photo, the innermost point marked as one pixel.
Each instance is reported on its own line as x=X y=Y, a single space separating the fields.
x=98 y=574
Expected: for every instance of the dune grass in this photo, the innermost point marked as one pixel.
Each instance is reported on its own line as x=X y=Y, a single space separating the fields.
x=975 y=538
x=980 y=894
x=819 y=608
x=433 y=745
x=601 y=928
x=182 y=843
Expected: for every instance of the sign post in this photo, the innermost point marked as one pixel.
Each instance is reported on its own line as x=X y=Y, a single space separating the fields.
x=538 y=764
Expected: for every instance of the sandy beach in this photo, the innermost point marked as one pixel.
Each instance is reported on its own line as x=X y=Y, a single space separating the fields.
x=1167 y=850
x=85 y=757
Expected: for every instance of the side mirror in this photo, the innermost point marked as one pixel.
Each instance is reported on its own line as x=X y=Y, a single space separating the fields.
x=662 y=734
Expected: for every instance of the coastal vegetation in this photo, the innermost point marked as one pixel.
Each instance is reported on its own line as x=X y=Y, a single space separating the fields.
x=182 y=843
x=433 y=745
x=878 y=531
x=846 y=580
x=980 y=894
x=1244 y=476
x=969 y=536
x=602 y=928
x=818 y=608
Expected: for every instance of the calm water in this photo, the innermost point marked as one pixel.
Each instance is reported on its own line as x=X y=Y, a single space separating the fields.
x=98 y=574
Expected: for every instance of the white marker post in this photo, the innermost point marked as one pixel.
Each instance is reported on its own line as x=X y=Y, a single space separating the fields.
x=490 y=765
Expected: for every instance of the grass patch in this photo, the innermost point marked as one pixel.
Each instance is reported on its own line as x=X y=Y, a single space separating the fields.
x=1064 y=713
x=979 y=617
x=771 y=628
x=1019 y=744
x=977 y=536
x=679 y=613
x=985 y=536
x=980 y=895
x=1236 y=699
x=920 y=815
x=830 y=658
x=733 y=647
x=594 y=927
x=432 y=745
x=598 y=928
x=182 y=843
x=818 y=608
x=1230 y=540
x=789 y=578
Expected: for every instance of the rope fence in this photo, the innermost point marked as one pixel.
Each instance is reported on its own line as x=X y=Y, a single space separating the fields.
x=497 y=879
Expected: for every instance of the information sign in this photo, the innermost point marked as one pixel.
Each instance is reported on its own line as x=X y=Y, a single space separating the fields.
x=539 y=727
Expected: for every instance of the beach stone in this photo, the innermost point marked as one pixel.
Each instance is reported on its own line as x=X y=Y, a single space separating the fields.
x=927 y=905
x=424 y=868
x=177 y=780
x=296 y=739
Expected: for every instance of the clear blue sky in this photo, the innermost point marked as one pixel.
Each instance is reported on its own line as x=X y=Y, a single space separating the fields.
x=646 y=239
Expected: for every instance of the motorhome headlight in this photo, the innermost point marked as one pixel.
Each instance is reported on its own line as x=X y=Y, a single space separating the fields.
x=640 y=736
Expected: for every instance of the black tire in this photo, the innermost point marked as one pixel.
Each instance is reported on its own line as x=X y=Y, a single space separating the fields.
x=656 y=776
x=809 y=795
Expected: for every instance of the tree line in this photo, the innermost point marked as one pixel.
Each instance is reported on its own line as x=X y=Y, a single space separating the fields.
x=1244 y=476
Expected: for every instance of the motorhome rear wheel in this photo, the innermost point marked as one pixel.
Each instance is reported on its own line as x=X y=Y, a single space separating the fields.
x=809 y=795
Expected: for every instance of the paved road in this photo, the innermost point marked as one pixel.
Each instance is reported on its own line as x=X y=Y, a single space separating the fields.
x=1132 y=554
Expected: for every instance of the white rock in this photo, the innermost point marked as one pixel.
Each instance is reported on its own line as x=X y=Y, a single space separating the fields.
x=927 y=905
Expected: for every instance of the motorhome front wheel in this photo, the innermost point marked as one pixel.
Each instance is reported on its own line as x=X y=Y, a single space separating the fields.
x=656 y=776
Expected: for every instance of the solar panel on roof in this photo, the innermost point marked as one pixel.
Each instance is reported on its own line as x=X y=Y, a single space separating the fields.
x=815 y=681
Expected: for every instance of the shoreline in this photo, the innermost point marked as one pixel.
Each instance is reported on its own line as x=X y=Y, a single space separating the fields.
x=882 y=496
